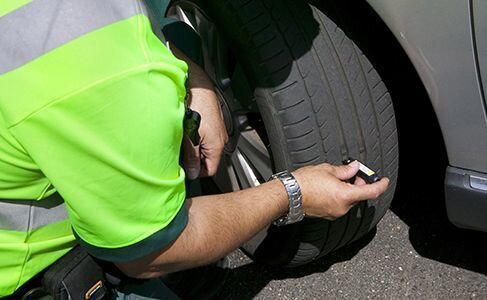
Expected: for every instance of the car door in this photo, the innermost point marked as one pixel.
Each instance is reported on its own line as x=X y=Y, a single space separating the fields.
x=479 y=9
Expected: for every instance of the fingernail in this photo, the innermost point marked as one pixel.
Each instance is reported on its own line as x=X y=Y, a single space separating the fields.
x=353 y=163
x=192 y=173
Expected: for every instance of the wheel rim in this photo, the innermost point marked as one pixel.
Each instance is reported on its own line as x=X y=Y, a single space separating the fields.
x=247 y=160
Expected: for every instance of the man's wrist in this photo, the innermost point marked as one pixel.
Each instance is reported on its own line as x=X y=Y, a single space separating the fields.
x=276 y=196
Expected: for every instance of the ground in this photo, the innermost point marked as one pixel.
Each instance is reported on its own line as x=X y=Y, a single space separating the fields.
x=390 y=263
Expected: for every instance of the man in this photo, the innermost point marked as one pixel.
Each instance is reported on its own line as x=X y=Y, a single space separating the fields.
x=92 y=107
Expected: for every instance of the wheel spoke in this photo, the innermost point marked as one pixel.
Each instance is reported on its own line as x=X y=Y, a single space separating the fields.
x=226 y=177
x=185 y=17
x=254 y=151
x=246 y=175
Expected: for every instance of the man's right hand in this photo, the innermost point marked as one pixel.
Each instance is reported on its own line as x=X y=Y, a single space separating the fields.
x=327 y=192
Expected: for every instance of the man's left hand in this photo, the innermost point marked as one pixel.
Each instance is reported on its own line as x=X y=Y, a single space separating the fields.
x=202 y=160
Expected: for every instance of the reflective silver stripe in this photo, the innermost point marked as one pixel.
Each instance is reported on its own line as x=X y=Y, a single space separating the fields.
x=44 y=25
x=24 y=215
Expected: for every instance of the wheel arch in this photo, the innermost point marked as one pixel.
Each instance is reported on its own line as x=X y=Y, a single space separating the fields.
x=388 y=56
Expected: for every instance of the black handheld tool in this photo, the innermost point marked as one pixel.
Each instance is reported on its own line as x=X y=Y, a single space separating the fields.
x=364 y=172
x=192 y=121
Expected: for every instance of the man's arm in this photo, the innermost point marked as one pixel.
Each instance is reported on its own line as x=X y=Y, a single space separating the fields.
x=218 y=224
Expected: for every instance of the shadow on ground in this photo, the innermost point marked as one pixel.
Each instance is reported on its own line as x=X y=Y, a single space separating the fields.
x=420 y=200
x=246 y=281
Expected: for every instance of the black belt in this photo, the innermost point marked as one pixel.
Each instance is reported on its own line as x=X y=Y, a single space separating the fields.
x=31 y=290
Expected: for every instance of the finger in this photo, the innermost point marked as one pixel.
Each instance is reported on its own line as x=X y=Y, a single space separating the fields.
x=191 y=159
x=367 y=191
x=346 y=172
x=211 y=161
x=359 y=181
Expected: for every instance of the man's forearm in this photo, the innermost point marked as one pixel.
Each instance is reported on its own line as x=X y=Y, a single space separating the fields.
x=217 y=225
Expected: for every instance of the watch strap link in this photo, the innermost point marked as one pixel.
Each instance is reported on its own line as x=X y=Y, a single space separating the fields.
x=296 y=212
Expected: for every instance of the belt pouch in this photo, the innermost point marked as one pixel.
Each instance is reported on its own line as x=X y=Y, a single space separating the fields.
x=75 y=276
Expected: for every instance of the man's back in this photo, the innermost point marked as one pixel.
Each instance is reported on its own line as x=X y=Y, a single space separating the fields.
x=80 y=118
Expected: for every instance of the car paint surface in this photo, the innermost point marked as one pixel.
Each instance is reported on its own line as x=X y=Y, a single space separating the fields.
x=480 y=26
x=438 y=38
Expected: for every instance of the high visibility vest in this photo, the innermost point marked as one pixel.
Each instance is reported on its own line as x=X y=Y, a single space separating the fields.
x=34 y=226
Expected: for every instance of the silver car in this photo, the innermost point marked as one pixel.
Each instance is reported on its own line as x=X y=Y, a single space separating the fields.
x=303 y=82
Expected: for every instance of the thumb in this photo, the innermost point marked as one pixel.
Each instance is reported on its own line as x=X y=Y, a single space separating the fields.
x=191 y=159
x=346 y=172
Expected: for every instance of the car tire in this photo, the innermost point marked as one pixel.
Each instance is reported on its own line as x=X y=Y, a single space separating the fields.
x=320 y=100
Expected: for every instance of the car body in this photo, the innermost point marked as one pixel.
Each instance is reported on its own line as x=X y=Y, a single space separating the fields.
x=446 y=41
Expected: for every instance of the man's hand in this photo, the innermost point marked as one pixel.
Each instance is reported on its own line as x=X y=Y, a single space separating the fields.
x=327 y=192
x=203 y=159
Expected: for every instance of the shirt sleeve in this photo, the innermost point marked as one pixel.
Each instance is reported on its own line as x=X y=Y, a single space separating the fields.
x=111 y=146
x=112 y=152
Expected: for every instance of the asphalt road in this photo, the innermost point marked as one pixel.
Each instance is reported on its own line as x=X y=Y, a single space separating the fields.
x=398 y=261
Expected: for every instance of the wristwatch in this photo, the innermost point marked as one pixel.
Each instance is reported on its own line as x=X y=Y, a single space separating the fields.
x=296 y=212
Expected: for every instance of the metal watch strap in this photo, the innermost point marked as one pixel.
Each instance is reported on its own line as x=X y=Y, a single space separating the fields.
x=296 y=212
